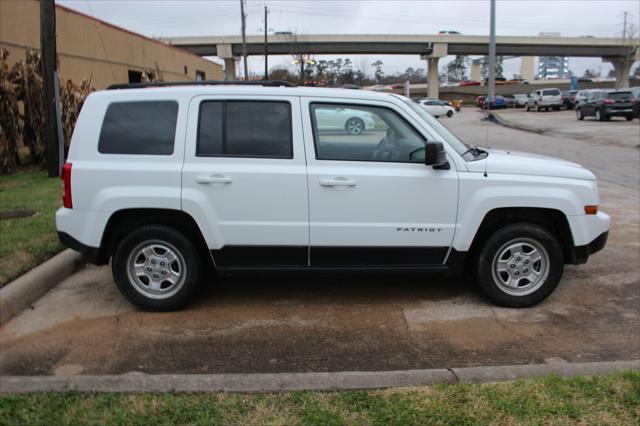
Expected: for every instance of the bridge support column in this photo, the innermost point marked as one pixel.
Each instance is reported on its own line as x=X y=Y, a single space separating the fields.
x=433 y=83
x=528 y=67
x=229 y=69
x=438 y=50
x=225 y=52
x=476 y=70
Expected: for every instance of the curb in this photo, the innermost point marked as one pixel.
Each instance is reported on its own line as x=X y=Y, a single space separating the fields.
x=285 y=382
x=506 y=123
x=26 y=289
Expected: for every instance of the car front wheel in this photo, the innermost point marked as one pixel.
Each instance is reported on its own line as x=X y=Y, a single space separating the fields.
x=449 y=114
x=599 y=116
x=579 y=114
x=519 y=265
x=157 y=268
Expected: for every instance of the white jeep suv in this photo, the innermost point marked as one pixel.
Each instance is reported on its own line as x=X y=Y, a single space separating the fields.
x=172 y=182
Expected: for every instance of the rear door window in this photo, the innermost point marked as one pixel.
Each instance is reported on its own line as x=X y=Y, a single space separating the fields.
x=245 y=129
x=143 y=128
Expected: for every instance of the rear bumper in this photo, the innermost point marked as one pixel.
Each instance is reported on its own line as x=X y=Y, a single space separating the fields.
x=617 y=112
x=90 y=254
x=582 y=253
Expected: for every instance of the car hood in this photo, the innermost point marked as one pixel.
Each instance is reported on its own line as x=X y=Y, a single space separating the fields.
x=524 y=163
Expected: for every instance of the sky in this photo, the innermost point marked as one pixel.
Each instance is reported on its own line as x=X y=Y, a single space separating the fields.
x=601 y=18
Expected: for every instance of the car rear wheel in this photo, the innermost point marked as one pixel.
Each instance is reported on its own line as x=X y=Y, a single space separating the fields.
x=579 y=114
x=354 y=126
x=519 y=265
x=157 y=268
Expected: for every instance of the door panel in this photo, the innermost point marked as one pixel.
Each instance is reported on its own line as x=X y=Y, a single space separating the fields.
x=385 y=213
x=255 y=207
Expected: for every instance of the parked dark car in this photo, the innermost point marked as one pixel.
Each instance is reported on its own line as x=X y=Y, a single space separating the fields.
x=603 y=105
x=469 y=83
x=498 y=102
x=635 y=92
x=569 y=99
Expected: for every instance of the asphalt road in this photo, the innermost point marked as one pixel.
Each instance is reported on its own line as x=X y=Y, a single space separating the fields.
x=298 y=323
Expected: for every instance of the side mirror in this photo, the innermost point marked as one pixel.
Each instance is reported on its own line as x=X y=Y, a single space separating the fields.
x=436 y=156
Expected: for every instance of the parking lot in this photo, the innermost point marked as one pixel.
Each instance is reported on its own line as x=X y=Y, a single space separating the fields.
x=332 y=322
x=617 y=131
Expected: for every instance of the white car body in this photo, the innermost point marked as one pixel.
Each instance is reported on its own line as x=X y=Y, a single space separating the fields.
x=436 y=107
x=350 y=120
x=306 y=212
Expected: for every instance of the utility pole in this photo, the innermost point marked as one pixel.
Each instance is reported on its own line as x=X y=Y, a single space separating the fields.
x=244 y=41
x=624 y=26
x=266 y=49
x=51 y=86
x=492 y=53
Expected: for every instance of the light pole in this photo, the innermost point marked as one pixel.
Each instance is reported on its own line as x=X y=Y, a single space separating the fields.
x=492 y=54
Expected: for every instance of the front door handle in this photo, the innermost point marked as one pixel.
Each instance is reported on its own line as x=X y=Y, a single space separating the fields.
x=339 y=181
x=206 y=180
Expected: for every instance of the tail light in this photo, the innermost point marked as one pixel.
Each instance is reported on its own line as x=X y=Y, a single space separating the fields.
x=608 y=101
x=66 y=186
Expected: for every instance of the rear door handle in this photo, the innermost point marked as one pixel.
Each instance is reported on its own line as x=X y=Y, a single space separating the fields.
x=206 y=180
x=339 y=181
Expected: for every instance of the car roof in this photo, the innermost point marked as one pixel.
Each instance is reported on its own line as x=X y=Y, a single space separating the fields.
x=197 y=90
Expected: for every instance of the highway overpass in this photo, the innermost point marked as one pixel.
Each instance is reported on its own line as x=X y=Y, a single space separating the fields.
x=621 y=53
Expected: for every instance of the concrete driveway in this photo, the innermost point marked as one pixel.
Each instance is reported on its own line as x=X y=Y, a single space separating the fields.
x=333 y=322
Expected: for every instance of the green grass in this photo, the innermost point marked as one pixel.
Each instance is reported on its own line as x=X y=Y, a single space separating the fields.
x=26 y=242
x=608 y=399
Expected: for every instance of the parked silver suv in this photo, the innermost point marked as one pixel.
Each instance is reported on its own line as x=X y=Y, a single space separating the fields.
x=545 y=99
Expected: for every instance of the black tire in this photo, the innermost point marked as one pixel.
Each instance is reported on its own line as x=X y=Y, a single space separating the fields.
x=600 y=116
x=449 y=113
x=527 y=108
x=629 y=117
x=527 y=232
x=579 y=114
x=191 y=266
x=354 y=126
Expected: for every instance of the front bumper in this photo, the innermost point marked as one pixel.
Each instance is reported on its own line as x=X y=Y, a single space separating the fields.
x=582 y=253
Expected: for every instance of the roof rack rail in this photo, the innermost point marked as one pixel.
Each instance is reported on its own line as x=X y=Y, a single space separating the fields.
x=266 y=83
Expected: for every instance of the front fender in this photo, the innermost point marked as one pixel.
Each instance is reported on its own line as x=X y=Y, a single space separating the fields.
x=479 y=195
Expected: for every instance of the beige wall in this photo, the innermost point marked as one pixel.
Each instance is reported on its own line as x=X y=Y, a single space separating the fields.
x=88 y=48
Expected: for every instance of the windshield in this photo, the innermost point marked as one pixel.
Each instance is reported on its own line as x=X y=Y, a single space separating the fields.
x=445 y=133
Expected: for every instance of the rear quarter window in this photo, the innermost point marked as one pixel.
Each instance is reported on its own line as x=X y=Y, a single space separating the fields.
x=143 y=128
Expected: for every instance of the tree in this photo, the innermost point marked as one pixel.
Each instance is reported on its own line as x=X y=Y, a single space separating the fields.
x=457 y=69
x=282 y=74
x=379 y=74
